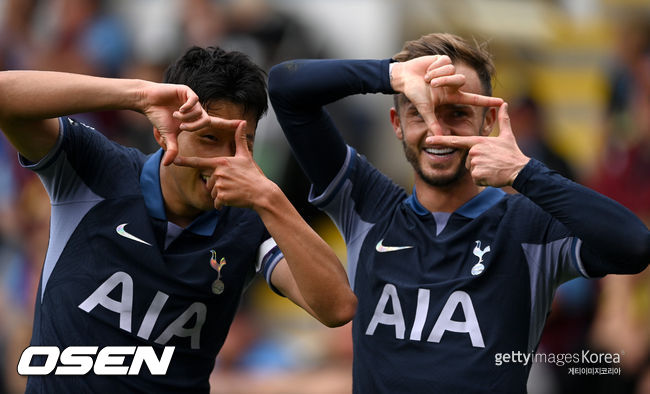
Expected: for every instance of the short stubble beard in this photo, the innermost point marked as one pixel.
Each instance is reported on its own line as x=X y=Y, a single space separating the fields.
x=436 y=181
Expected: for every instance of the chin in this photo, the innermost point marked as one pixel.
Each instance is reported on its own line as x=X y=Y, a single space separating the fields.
x=441 y=179
x=208 y=206
x=204 y=204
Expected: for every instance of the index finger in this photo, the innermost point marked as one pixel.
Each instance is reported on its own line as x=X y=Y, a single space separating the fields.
x=479 y=100
x=171 y=149
x=192 y=99
x=201 y=163
x=454 y=141
x=241 y=140
x=226 y=124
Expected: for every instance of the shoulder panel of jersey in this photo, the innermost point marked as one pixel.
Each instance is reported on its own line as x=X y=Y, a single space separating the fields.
x=104 y=167
x=357 y=198
x=81 y=170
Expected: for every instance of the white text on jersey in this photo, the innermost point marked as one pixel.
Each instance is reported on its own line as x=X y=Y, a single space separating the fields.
x=442 y=324
x=124 y=307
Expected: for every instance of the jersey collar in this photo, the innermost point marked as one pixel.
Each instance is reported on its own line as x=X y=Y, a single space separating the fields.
x=471 y=209
x=150 y=184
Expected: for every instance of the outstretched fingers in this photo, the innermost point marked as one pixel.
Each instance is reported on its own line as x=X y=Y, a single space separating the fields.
x=229 y=124
x=438 y=62
x=505 y=130
x=190 y=102
x=210 y=163
x=171 y=148
x=479 y=100
x=455 y=81
x=201 y=163
x=241 y=141
x=448 y=69
x=193 y=118
x=454 y=141
x=467 y=142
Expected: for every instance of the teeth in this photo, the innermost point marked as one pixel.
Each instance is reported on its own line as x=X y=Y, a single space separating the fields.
x=439 y=151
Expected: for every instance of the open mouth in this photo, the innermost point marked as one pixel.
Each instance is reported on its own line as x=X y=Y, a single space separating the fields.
x=440 y=151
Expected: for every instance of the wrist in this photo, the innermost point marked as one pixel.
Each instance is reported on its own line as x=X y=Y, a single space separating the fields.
x=518 y=170
x=394 y=73
x=139 y=95
x=268 y=198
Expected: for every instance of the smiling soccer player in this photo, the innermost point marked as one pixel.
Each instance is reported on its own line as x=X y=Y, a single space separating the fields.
x=156 y=250
x=458 y=271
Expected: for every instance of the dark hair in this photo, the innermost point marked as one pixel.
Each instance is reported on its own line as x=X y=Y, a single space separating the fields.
x=214 y=74
x=459 y=51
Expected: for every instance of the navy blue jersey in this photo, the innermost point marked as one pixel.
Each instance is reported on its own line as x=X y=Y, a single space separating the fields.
x=117 y=273
x=438 y=292
x=441 y=295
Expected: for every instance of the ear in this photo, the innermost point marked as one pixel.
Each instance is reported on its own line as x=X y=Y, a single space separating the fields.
x=397 y=127
x=159 y=139
x=489 y=121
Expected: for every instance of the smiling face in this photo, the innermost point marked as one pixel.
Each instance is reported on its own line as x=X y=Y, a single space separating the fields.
x=441 y=166
x=185 y=189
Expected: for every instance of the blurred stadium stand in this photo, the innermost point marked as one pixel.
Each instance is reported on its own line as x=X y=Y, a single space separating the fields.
x=563 y=55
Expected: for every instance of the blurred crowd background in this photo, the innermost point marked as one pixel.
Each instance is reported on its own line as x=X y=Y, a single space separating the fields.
x=575 y=72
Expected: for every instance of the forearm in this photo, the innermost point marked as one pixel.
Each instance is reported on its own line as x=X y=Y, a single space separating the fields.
x=614 y=239
x=317 y=273
x=310 y=84
x=300 y=89
x=30 y=95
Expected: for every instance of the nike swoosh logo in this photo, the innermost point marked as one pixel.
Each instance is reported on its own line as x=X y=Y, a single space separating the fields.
x=120 y=230
x=382 y=249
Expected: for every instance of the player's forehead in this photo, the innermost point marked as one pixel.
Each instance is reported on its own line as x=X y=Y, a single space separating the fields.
x=472 y=81
x=229 y=110
x=224 y=109
x=410 y=109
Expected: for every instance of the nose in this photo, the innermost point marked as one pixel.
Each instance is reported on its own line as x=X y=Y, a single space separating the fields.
x=435 y=128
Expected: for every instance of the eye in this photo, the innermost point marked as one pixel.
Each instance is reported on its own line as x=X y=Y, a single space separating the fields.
x=415 y=115
x=210 y=137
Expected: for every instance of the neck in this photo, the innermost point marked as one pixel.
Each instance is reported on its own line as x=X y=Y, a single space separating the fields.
x=446 y=198
x=179 y=220
x=176 y=212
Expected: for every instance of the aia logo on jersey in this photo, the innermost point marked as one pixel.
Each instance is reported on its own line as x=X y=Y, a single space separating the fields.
x=187 y=324
x=389 y=312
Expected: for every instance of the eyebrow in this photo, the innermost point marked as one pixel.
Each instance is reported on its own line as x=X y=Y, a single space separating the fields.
x=456 y=106
x=410 y=107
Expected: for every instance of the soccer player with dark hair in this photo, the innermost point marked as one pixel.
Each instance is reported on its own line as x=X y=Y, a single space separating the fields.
x=138 y=255
x=458 y=273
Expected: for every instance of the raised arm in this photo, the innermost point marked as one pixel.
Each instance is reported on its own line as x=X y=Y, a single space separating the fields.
x=310 y=274
x=32 y=100
x=299 y=90
x=614 y=240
